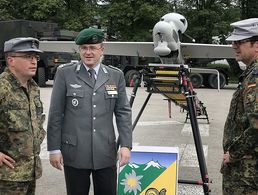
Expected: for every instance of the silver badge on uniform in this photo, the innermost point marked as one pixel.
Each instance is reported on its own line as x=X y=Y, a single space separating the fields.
x=75 y=102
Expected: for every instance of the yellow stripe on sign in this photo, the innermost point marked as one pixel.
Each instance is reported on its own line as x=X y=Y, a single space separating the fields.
x=165 y=182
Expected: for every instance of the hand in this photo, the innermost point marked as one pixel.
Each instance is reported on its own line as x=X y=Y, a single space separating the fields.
x=124 y=156
x=226 y=158
x=56 y=160
x=5 y=159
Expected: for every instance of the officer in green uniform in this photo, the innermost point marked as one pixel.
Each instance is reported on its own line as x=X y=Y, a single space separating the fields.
x=80 y=129
x=21 y=119
x=240 y=141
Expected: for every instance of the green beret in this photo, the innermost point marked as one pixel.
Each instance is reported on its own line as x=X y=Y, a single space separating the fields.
x=89 y=36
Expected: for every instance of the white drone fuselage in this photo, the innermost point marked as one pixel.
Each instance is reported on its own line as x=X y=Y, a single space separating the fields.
x=166 y=37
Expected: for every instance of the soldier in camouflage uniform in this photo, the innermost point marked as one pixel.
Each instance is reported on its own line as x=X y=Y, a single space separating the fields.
x=21 y=119
x=240 y=142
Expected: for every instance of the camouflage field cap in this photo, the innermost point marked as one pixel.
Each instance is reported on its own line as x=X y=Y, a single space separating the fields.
x=89 y=36
x=244 y=29
x=22 y=44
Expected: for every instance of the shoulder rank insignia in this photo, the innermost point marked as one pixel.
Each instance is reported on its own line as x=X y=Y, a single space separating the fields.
x=65 y=65
x=105 y=70
x=115 y=68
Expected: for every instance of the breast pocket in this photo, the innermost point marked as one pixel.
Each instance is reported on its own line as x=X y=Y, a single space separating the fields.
x=18 y=120
x=75 y=98
x=110 y=101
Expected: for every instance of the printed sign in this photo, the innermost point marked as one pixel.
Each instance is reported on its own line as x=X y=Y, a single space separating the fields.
x=151 y=171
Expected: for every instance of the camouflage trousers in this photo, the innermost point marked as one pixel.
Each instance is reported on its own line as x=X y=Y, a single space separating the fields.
x=233 y=187
x=17 y=188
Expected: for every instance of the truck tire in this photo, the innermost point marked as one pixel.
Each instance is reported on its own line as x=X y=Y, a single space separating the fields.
x=41 y=77
x=213 y=82
x=129 y=75
x=196 y=80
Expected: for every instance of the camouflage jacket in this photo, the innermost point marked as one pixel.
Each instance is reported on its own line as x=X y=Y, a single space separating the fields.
x=21 y=128
x=241 y=127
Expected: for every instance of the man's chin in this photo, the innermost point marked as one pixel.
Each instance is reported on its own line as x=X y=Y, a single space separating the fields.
x=238 y=58
x=31 y=74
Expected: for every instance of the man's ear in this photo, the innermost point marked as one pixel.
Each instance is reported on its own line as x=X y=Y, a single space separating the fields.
x=256 y=46
x=9 y=61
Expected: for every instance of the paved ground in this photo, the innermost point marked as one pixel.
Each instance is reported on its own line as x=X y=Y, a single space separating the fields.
x=155 y=128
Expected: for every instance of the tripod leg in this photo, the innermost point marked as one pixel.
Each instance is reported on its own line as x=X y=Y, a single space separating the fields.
x=135 y=88
x=189 y=94
x=198 y=143
x=142 y=109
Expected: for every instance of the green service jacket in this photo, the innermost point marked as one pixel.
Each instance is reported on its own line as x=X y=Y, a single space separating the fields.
x=21 y=128
x=80 y=122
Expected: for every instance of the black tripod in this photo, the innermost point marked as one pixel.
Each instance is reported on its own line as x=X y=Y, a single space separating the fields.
x=196 y=132
x=189 y=95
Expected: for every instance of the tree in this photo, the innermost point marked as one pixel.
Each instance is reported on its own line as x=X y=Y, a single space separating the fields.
x=249 y=9
x=209 y=18
x=132 y=20
x=38 y=10
x=71 y=15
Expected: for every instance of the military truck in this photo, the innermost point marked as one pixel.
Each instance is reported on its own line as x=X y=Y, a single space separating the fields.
x=49 y=61
x=131 y=65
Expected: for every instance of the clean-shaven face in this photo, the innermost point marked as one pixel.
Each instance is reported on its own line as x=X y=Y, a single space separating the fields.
x=91 y=54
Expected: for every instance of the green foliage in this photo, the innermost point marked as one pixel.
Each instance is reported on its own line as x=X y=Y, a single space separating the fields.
x=217 y=66
x=32 y=10
x=4 y=10
x=71 y=15
x=208 y=18
x=249 y=9
x=133 y=20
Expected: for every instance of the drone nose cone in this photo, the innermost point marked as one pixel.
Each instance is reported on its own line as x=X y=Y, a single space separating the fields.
x=162 y=49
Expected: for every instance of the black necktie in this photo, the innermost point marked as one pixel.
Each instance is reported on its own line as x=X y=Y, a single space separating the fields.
x=92 y=76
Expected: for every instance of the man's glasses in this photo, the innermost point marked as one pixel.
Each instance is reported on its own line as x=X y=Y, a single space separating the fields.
x=240 y=42
x=29 y=57
x=90 y=48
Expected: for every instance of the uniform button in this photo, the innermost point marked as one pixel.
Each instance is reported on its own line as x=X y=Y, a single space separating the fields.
x=67 y=142
x=74 y=94
x=112 y=95
x=94 y=93
x=94 y=106
x=94 y=118
x=94 y=130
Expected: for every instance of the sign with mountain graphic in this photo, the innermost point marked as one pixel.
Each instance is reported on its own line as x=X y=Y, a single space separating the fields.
x=152 y=170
